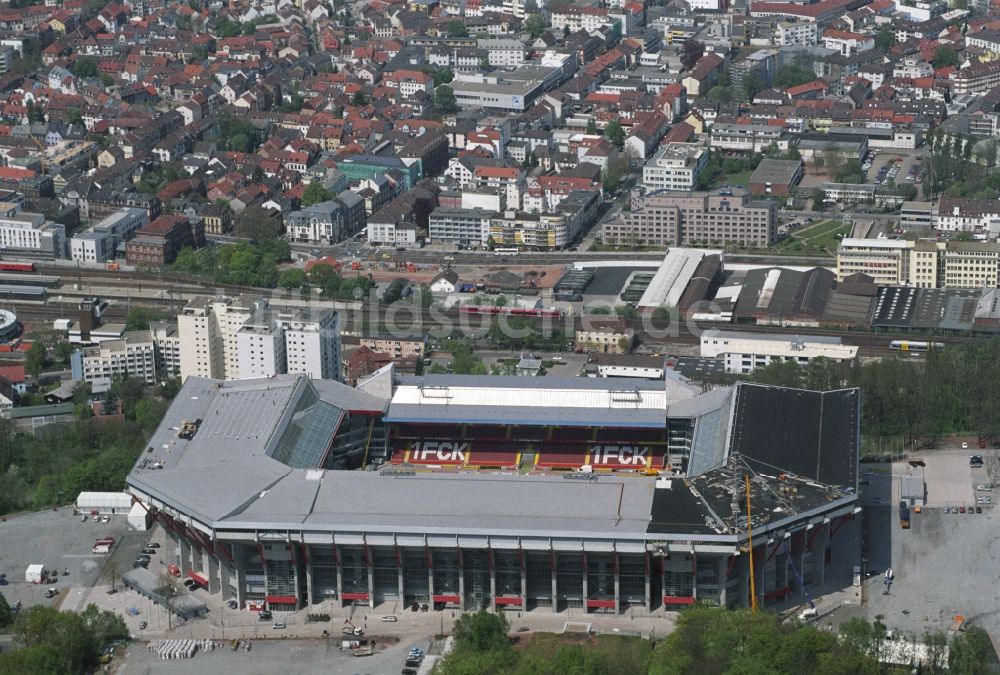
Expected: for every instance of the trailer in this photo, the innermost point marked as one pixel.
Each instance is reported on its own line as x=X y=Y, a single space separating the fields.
x=904 y=515
x=35 y=574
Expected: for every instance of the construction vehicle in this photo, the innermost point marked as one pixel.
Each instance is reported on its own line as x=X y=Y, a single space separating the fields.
x=957 y=624
x=350 y=629
x=364 y=649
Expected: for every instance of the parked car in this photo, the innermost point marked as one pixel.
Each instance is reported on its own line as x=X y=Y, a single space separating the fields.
x=153 y=544
x=279 y=625
x=51 y=593
x=389 y=618
x=265 y=615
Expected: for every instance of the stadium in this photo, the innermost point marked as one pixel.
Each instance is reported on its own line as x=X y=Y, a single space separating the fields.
x=502 y=492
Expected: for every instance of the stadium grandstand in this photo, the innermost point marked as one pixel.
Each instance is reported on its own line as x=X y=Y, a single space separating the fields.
x=503 y=492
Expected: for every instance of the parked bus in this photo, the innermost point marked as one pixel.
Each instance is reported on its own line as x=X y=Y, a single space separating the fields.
x=505 y=251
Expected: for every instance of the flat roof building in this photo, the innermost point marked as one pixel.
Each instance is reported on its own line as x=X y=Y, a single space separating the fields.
x=775 y=176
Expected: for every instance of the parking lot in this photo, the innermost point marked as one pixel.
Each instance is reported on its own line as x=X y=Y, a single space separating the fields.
x=58 y=540
x=944 y=564
x=884 y=166
x=292 y=657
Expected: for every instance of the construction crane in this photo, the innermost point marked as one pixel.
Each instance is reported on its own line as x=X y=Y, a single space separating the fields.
x=753 y=576
x=798 y=577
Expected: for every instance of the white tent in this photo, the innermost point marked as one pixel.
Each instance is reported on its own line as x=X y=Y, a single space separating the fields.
x=110 y=503
x=138 y=518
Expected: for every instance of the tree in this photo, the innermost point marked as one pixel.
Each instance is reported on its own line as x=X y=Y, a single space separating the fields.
x=970 y=653
x=885 y=37
x=6 y=616
x=442 y=75
x=73 y=115
x=291 y=278
x=85 y=67
x=139 y=318
x=944 y=56
x=818 y=199
x=63 y=350
x=35 y=358
x=456 y=29
x=534 y=25
x=315 y=193
x=720 y=93
x=793 y=75
x=239 y=143
x=751 y=85
x=481 y=631
x=614 y=133
x=359 y=98
x=257 y=224
x=691 y=52
x=591 y=127
x=444 y=100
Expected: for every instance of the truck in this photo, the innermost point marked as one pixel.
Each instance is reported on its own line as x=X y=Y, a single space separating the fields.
x=364 y=649
x=355 y=264
x=35 y=574
x=904 y=515
x=103 y=545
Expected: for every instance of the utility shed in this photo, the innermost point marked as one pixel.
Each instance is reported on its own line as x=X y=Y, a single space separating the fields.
x=103 y=503
x=138 y=518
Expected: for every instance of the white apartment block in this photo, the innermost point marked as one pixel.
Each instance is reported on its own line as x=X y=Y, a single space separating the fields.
x=134 y=355
x=743 y=352
x=168 y=348
x=396 y=234
x=312 y=345
x=795 y=33
x=292 y=343
x=208 y=328
x=30 y=233
x=97 y=244
x=589 y=19
x=260 y=345
x=675 y=166
x=504 y=52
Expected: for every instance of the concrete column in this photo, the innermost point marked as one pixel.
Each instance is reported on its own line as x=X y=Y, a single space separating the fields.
x=586 y=590
x=648 y=569
x=694 y=576
x=241 y=581
x=820 y=543
x=295 y=578
x=524 y=582
x=430 y=580
x=214 y=581
x=723 y=566
x=493 y=581
x=461 y=583
x=225 y=575
x=371 y=579
x=340 y=576
x=400 y=582
x=309 y=578
x=185 y=555
x=554 y=565
x=618 y=594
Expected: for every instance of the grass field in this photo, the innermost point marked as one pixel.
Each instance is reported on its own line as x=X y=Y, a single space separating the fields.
x=821 y=239
x=741 y=178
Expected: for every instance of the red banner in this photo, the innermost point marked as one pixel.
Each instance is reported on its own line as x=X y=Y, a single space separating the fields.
x=515 y=600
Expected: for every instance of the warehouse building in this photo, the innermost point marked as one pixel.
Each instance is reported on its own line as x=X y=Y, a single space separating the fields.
x=630 y=495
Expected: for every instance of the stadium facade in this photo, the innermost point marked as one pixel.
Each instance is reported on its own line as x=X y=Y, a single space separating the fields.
x=501 y=492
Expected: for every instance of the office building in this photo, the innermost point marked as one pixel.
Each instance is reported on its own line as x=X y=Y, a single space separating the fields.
x=886 y=261
x=158 y=243
x=675 y=166
x=924 y=263
x=722 y=216
x=98 y=244
x=744 y=352
x=30 y=234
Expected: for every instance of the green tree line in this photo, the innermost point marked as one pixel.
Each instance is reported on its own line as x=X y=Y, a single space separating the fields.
x=54 y=466
x=952 y=390
x=706 y=641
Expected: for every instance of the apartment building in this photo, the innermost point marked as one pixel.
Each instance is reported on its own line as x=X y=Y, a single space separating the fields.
x=158 y=243
x=134 y=355
x=97 y=244
x=398 y=348
x=675 y=166
x=168 y=348
x=30 y=234
x=724 y=215
x=296 y=342
x=469 y=227
x=925 y=263
x=962 y=214
x=207 y=328
x=795 y=33
x=746 y=137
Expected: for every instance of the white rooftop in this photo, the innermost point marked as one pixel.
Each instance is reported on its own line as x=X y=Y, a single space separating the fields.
x=672 y=277
x=809 y=350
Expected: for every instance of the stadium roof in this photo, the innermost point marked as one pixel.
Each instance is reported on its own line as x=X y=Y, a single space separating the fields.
x=535 y=401
x=224 y=477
